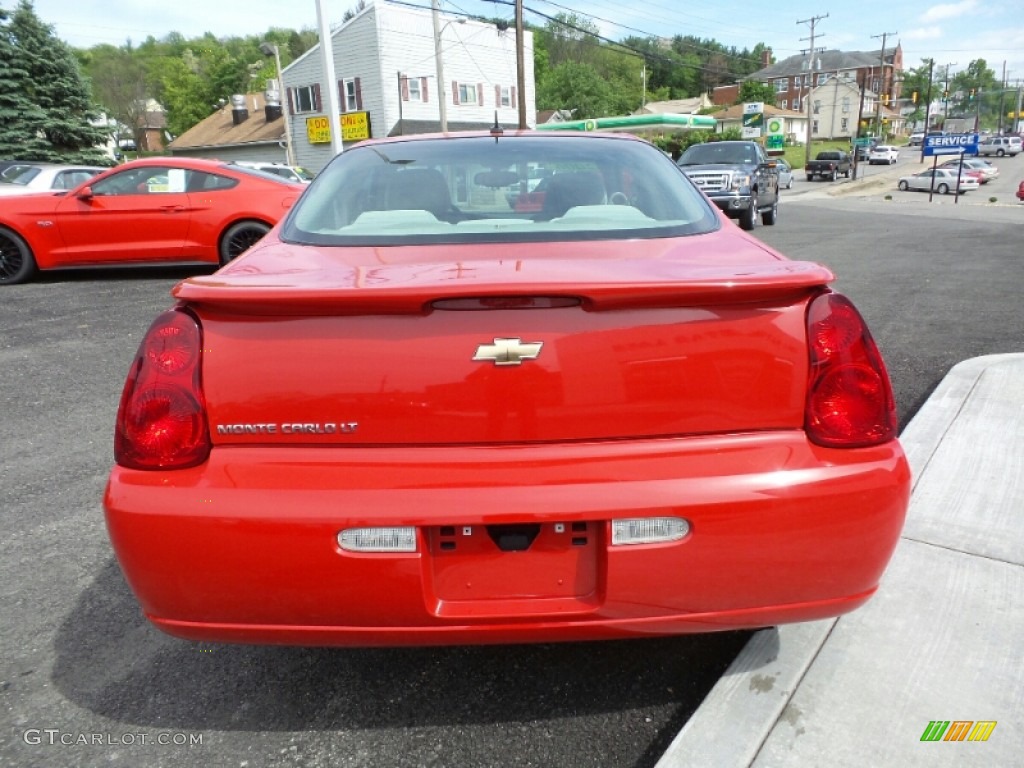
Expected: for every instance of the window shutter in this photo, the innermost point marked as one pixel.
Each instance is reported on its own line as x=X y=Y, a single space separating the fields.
x=497 y=95
x=514 y=102
x=480 y=94
x=405 y=87
x=423 y=88
x=455 y=91
x=316 y=97
x=291 y=100
x=359 y=95
x=342 y=101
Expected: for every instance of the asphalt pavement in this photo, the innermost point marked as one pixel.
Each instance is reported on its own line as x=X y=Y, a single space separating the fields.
x=929 y=672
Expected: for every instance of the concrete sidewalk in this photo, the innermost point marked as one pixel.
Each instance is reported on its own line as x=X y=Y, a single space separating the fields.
x=942 y=640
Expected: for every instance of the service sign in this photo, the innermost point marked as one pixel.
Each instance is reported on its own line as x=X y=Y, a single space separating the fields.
x=953 y=144
x=318 y=130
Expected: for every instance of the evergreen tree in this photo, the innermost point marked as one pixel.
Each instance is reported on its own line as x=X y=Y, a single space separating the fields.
x=60 y=119
x=20 y=118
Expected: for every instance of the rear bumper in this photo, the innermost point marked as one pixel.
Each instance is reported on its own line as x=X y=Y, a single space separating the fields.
x=244 y=548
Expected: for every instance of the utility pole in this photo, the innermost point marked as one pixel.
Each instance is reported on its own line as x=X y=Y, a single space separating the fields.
x=928 y=105
x=520 y=66
x=881 y=66
x=1002 y=91
x=945 y=94
x=812 y=22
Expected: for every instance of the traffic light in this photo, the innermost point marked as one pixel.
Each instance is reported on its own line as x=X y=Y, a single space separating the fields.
x=885 y=99
x=971 y=97
x=913 y=97
x=945 y=94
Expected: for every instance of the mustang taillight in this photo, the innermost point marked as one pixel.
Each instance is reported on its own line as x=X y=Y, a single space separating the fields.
x=850 y=403
x=161 y=422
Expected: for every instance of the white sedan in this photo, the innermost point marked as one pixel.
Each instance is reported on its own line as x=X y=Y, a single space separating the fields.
x=28 y=178
x=942 y=180
x=883 y=153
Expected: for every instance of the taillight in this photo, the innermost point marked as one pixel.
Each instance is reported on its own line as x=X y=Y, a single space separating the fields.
x=850 y=403
x=161 y=422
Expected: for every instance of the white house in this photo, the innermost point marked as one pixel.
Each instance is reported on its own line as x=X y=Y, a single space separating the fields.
x=835 y=107
x=385 y=67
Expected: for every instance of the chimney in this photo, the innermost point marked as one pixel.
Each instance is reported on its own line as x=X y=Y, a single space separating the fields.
x=766 y=58
x=239 y=114
x=273 y=101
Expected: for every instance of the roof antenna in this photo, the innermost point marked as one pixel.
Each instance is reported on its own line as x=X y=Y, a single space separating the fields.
x=496 y=129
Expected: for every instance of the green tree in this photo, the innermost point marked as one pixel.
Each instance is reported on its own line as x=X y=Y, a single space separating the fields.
x=576 y=87
x=119 y=80
x=754 y=91
x=62 y=114
x=19 y=115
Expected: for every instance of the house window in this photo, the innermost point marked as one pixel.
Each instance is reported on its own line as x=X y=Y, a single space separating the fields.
x=796 y=104
x=306 y=98
x=817 y=107
x=784 y=104
x=782 y=85
x=503 y=95
x=814 y=127
x=844 y=125
x=414 y=89
x=823 y=77
x=846 y=103
x=465 y=93
x=351 y=100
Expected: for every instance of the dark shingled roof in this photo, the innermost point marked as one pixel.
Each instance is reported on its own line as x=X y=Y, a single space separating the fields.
x=831 y=61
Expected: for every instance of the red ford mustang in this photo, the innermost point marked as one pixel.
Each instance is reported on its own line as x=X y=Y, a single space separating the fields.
x=156 y=210
x=414 y=415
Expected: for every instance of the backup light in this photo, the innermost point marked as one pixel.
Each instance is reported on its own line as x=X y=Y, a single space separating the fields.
x=378 y=539
x=648 y=530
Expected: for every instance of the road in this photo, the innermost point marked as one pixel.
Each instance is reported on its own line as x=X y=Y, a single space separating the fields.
x=937 y=282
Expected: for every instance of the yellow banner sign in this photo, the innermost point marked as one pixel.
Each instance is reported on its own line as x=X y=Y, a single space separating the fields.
x=355 y=126
x=318 y=130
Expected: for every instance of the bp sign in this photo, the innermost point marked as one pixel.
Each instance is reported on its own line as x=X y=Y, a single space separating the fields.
x=774 y=125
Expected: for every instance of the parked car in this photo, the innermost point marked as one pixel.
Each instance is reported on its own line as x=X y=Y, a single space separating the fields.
x=863 y=151
x=36 y=178
x=294 y=173
x=916 y=139
x=413 y=415
x=830 y=165
x=1000 y=146
x=883 y=154
x=156 y=210
x=1020 y=192
x=738 y=177
x=941 y=180
x=983 y=167
x=785 y=174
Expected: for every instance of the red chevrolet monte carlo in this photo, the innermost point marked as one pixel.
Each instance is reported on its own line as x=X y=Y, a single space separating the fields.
x=151 y=211
x=413 y=415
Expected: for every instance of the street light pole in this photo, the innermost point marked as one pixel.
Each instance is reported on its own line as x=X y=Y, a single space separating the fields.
x=289 y=152
x=442 y=93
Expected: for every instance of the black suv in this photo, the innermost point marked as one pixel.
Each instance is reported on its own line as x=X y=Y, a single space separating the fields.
x=738 y=177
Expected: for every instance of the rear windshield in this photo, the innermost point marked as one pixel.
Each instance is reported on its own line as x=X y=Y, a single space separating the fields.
x=513 y=189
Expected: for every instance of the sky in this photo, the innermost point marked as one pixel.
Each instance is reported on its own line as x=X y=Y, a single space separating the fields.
x=952 y=33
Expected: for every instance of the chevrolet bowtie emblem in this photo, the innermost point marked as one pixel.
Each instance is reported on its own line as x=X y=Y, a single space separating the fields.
x=508 y=351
